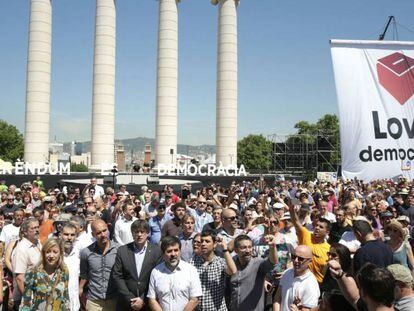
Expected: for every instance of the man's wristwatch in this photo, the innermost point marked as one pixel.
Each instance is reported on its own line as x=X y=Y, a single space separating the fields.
x=225 y=250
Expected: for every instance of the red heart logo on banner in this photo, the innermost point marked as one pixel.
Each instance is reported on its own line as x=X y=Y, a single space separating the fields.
x=396 y=75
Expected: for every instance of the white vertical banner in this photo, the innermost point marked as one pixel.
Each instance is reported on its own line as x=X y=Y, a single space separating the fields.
x=375 y=87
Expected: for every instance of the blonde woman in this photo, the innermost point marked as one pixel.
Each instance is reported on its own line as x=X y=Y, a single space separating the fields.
x=402 y=252
x=46 y=285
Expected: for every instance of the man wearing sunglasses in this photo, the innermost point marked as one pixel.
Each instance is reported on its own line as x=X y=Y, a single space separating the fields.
x=230 y=228
x=316 y=241
x=298 y=285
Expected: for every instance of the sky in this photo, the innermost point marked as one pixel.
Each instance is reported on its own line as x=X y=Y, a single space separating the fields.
x=285 y=69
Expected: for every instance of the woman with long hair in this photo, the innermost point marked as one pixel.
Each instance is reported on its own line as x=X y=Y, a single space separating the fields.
x=341 y=254
x=46 y=285
x=402 y=252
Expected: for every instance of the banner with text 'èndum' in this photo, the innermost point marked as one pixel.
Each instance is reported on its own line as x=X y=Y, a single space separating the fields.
x=375 y=87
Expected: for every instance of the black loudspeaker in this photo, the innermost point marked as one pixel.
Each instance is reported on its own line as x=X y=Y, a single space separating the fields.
x=108 y=181
x=153 y=180
x=171 y=151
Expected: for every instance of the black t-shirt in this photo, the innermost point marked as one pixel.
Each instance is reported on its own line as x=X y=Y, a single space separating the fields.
x=337 y=231
x=210 y=226
x=375 y=252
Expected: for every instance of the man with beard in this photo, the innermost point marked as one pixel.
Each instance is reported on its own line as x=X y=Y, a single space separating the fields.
x=122 y=231
x=72 y=261
x=133 y=265
x=339 y=227
x=247 y=284
x=174 y=283
x=96 y=262
x=298 y=283
x=173 y=226
x=25 y=256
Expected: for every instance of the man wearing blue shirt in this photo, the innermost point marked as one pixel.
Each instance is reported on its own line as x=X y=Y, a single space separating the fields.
x=156 y=224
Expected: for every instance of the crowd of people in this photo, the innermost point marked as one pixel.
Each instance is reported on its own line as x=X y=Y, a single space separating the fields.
x=288 y=246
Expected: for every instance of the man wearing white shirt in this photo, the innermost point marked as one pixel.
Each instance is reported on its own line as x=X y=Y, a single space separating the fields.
x=174 y=284
x=11 y=231
x=323 y=205
x=72 y=261
x=298 y=286
x=99 y=191
x=122 y=231
x=83 y=239
x=200 y=214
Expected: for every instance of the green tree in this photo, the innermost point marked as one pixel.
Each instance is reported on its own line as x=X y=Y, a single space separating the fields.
x=11 y=142
x=328 y=127
x=78 y=167
x=254 y=152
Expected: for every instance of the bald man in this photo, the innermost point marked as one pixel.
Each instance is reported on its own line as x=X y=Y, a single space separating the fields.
x=230 y=229
x=96 y=262
x=298 y=286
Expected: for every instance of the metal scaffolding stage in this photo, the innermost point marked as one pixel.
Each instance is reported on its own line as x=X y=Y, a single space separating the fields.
x=305 y=154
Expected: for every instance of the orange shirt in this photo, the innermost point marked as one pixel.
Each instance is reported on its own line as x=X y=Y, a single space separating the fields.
x=45 y=229
x=319 y=251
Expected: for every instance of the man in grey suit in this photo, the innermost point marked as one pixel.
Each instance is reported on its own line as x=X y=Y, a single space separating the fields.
x=132 y=269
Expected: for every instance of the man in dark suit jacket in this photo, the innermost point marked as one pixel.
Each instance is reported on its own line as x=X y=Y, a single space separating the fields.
x=132 y=269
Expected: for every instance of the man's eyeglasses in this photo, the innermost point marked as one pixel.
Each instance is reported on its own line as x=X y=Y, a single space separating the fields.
x=230 y=218
x=300 y=259
x=196 y=242
x=274 y=222
x=89 y=203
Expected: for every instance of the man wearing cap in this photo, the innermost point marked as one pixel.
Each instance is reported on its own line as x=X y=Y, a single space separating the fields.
x=200 y=214
x=278 y=209
x=385 y=219
x=157 y=222
x=18 y=197
x=404 y=294
x=289 y=230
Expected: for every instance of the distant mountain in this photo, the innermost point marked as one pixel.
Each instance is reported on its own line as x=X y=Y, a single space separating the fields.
x=137 y=145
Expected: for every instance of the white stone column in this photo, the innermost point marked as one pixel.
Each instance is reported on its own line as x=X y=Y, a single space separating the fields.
x=103 y=98
x=36 y=137
x=226 y=96
x=167 y=83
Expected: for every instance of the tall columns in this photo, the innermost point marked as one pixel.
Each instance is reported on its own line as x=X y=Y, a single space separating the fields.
x=36 y=138
x=103 y=98
x=226 y=96
x=167 y=83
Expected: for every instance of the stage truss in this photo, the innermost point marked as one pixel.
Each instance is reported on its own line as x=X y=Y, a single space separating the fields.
x=300 y=154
